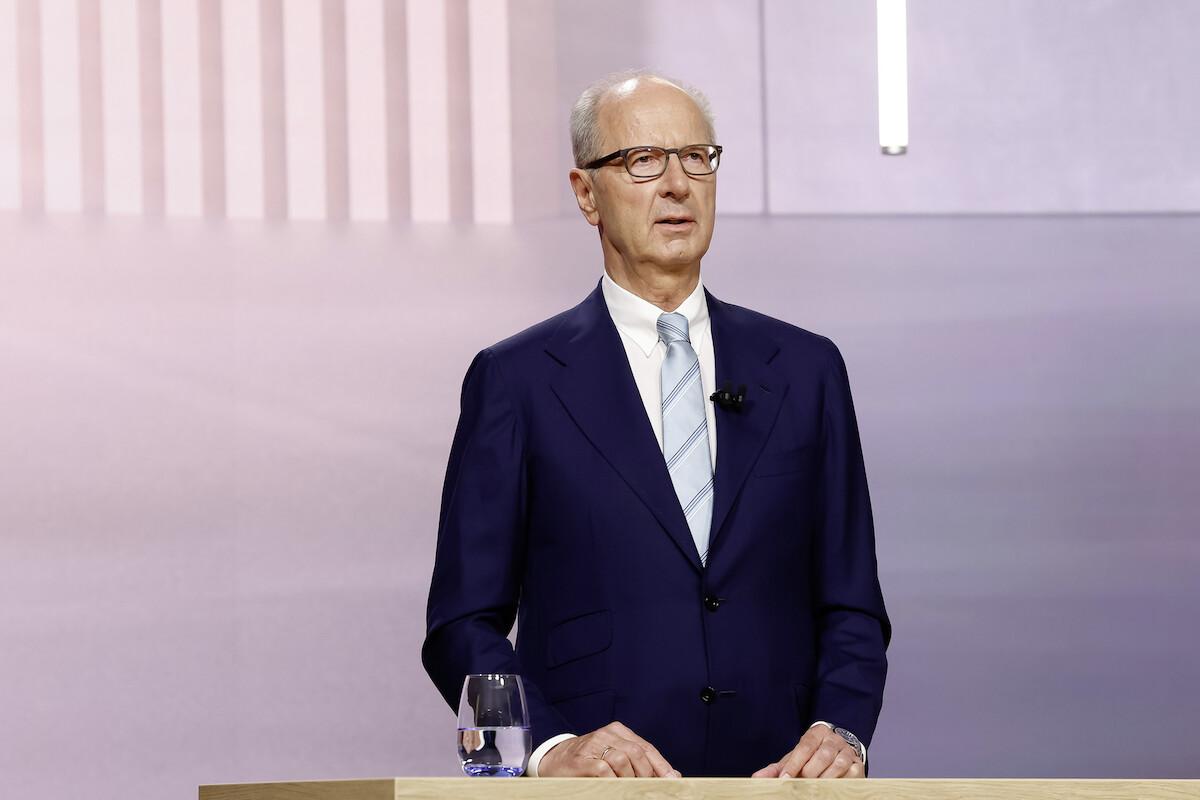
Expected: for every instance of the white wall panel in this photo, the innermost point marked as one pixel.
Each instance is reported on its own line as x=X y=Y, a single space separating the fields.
x=366 y=110
x=182 y=162
x=715 y=46
x=1014 y=107
x=492 y=154
x=822 y=105
x=10 y=150
x=242 y=60
x=429 y=126
x=122 y=110
x=61 y=106
x=304 y=98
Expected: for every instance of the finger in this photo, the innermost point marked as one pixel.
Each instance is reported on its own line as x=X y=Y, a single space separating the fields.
x=820 y=761
x=644 y=758
x=657 y=765
x=576 y=757
x=620 y=758
x=841 y=766
x=769 y=771
x=809 y=744
x=618 y=761
x=593 y=767
x=792 y=764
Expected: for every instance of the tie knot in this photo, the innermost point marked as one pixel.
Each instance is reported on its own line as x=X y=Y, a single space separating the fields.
x=673 y=327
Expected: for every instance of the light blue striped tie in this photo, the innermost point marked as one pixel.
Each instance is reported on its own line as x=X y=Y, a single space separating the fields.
x=685 y=429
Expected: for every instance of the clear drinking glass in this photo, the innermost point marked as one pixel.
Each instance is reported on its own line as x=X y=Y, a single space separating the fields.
x=493 y=726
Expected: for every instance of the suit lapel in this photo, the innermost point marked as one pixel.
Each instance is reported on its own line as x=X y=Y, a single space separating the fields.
x=743 y=354
x=598 y=391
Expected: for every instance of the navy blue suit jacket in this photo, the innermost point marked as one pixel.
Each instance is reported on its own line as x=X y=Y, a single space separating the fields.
x=558 y=511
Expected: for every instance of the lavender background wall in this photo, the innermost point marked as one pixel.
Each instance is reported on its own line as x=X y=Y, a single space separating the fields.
x=222 y=442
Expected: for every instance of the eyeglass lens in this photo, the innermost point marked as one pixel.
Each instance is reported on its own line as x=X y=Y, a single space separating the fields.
x=650 y=162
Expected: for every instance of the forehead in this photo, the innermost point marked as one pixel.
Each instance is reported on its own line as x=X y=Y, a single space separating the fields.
x=650 y=112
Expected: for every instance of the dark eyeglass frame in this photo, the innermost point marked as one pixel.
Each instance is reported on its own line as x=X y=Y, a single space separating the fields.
x=624 y=152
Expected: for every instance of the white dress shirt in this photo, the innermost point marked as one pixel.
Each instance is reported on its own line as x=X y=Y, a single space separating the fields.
x=637 y=322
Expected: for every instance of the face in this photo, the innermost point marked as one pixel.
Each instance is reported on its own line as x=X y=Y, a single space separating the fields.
x=649 y=227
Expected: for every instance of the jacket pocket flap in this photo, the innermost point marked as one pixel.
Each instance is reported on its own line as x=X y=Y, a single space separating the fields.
x=781 y=463
x=577 y=637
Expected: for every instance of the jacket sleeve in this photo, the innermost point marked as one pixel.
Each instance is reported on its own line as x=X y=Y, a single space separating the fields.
x=481 y=548
x=852 y=625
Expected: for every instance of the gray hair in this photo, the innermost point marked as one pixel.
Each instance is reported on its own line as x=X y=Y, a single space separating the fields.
x=585 y=129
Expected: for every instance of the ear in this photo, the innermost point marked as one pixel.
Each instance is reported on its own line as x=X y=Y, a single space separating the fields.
x=585 y=194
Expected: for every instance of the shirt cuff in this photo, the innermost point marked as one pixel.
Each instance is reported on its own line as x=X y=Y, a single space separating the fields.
x=536 y=756
x=830 y=726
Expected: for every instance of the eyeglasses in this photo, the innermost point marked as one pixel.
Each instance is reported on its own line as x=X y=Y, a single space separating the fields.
x=650 y=162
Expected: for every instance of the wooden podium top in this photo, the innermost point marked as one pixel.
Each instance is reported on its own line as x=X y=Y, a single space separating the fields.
x=703 y=789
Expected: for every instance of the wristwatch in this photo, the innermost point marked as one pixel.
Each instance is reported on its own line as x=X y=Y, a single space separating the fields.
x=851 y=740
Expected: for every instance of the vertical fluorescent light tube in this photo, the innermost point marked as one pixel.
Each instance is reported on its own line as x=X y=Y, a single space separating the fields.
x=893 y=77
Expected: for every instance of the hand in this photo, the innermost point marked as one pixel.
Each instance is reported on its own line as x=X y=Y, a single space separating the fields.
x=821 y=753
x=612 y=751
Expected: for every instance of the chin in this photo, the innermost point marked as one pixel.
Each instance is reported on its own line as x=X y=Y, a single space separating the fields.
x=680 y=256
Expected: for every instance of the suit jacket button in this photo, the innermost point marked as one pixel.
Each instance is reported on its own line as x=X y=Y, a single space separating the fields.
x=712 y=602
x=708 y=695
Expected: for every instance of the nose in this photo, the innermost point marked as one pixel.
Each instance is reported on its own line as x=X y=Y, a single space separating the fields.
x=674 y=182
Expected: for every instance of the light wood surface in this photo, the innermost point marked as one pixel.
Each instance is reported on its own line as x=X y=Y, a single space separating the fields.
x=703 y=789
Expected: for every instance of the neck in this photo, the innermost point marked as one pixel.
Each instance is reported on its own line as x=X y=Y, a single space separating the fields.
x=667 y=290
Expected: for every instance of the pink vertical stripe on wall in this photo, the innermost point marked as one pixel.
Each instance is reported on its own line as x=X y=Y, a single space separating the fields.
x=366 y=109
x=30 y=117
x=241 y=37
x=274 y=112
x=337 y=160
x=536 y=120
x=491 y=127
x=151 y=90
x=61 y=106
x=10 y=143
x=212 y=108
x=395 y=78
x=458 y=108
x=91 y=113
x=304 y=97
x=119 y=54
x=429 y=124
x=182 y=160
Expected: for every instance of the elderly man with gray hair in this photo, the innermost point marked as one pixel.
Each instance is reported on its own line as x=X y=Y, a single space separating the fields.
x=692 y=565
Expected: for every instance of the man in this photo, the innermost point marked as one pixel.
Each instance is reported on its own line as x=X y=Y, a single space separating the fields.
x=696 y=586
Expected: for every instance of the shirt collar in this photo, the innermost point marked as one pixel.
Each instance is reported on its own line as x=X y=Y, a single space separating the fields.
x=638 y=318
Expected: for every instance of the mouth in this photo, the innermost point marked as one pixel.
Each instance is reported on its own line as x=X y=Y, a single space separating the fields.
x=675 y=221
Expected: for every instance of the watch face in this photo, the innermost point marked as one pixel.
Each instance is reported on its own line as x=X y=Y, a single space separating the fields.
x=851 y=739
x=847 y=735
